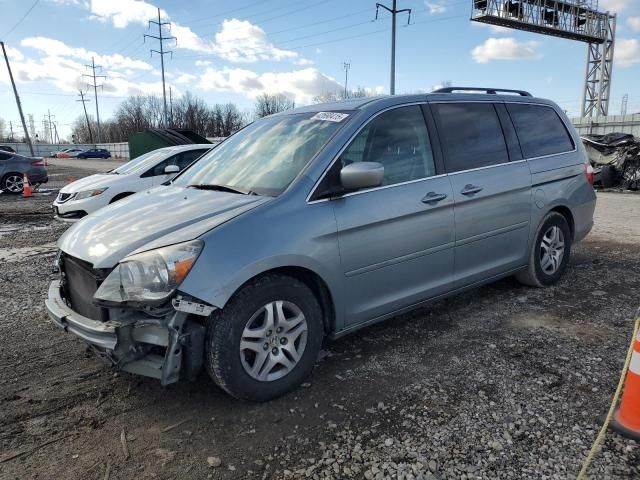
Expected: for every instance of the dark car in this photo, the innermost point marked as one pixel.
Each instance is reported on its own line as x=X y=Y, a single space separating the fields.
x=95 y=153
x=7 y=148
x=14 y=166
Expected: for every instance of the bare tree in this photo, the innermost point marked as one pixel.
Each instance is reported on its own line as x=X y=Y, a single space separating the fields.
x=139 y=113
x=328 y=97
x=269 y=104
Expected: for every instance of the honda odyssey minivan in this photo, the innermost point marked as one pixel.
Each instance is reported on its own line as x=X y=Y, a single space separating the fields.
x=318 y=221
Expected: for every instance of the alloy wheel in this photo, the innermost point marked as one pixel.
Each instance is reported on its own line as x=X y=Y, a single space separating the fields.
x=13 y=183
x=552 y=250
x=273 y=341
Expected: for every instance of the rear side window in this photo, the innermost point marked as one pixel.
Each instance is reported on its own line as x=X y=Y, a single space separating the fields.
x=5 y=156
x=471 y=135
x=540 y=130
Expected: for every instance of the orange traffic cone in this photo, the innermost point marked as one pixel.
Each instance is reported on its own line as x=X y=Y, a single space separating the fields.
x=26 y=187
x=626 y=420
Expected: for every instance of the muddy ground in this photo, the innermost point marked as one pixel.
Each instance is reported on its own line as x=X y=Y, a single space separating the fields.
x=501 y=382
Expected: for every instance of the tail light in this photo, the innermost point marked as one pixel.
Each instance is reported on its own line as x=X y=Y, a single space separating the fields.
x=588 y=172
x=38 y=163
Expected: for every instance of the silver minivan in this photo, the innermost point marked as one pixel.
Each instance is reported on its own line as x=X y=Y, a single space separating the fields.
x=318 y=221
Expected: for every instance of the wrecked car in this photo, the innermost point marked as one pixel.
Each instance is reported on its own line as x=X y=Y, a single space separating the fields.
x=318 y=221
x=615 y=158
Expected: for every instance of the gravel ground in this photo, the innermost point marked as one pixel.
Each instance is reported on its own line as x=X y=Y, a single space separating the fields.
x=501 y=382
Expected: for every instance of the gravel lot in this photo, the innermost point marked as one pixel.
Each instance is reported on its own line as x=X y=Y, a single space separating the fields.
x=501 y=382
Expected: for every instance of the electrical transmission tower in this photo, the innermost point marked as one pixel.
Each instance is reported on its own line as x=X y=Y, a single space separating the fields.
x=346 y=66
x=393 y=11
x=95 y=86
x=625 y=104
x=161 y=39
x=86 y=116
x=48 y=130
x=571 y=19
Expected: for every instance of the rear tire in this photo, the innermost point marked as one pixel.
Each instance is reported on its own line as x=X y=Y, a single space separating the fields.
x=254 y=358
x=608 y=176
x=549 y=253
x=12 y=183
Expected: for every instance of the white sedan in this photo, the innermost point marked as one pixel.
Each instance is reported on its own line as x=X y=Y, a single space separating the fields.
x=88 y=194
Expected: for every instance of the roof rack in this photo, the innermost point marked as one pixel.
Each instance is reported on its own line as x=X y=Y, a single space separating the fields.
x=489 y=91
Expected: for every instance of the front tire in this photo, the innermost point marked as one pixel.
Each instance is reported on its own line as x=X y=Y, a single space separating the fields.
x=549 y=253
x=266 y=340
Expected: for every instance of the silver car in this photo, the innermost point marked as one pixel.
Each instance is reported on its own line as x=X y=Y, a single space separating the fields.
x=315 y=222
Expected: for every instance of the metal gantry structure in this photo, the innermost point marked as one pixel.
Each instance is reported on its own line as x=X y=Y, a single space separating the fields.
x=578 y=20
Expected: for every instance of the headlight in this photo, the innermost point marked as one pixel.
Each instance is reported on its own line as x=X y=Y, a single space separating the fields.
x=150 y=277
x=89 y=193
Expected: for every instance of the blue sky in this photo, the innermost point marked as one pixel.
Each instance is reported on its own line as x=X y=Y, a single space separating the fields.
x=231 y=51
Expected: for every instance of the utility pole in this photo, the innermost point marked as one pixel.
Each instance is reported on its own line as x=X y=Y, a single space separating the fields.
x=95 y=86
x=50 y=125
x=84 y=106
x=161 y=38
x=346 y=66
x=55 y=129
x=15 y=92
x=11 y=130
x=393 y=11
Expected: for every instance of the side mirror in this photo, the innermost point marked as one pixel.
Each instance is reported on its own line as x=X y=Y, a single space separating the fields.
x=171 y=169
x=362 y=175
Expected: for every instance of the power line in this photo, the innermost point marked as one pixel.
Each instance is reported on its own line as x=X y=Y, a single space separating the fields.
x=95 y=86
x=22 y=19
x=161 y=39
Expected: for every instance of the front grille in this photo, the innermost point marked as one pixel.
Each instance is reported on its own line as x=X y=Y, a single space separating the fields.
x=63 y=197
x=80 y=284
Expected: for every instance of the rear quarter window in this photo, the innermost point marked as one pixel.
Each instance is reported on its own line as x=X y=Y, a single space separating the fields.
x=540 y=130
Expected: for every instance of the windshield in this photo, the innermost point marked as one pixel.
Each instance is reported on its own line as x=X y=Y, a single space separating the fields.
x=143 y=162
x=266 y=156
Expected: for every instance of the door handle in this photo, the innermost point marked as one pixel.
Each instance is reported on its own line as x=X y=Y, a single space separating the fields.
x=433 y=197
x=470 y=189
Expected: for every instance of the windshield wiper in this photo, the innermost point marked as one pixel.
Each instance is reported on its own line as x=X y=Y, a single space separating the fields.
x=221 y=188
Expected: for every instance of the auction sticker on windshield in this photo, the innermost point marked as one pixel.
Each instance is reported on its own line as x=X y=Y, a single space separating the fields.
x=330 y=116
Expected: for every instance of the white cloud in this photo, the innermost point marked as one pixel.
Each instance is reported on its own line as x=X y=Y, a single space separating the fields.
x=300 y=85
x=203 y=63
x=185 y=78
x=123 y=12
x=504 y=49
x=435 y=8
x=634 y=23
x=615 y=5
x=62 y=67
x=627 y=52
x=52 y=47
x=240 y=41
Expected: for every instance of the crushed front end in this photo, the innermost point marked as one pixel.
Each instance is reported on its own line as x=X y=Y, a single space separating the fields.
x=164 y=340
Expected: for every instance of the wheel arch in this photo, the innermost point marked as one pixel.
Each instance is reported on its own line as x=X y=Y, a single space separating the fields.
x=120 y=196
x=314 y=281
x=568 y=215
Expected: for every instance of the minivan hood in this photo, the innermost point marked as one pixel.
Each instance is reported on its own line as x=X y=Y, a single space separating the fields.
x=161 y=216
x=99 y=180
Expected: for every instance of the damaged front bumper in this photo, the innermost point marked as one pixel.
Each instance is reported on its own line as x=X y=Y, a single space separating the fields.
x=167 y=348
